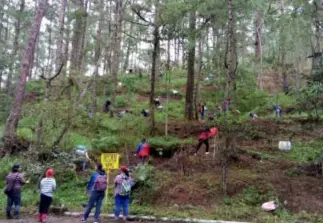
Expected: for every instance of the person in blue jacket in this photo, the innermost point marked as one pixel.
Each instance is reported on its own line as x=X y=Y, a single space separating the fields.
x=143 y=151
x=97 y=193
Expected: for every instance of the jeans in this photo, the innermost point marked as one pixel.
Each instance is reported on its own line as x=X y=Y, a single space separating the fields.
x=202 y=115
x=143 y=159
x=44 y=204
x=96 y=198
x=124 y=202
x=13 y=199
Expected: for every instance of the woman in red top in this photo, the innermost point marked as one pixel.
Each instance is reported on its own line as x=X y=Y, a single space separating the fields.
x=204 y=139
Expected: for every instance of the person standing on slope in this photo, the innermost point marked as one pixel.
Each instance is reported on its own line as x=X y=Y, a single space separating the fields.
x=47 y=188
x=204 y=139
x=143 y=151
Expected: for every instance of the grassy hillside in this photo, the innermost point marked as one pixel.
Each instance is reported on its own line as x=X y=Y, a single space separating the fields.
x=178 y=184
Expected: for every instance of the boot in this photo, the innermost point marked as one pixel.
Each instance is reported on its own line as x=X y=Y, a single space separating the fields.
x=17 y=216
x=39 y=217
x=9 y=216
x=44 y=218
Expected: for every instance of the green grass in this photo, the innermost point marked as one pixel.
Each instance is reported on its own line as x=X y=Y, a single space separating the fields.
x=304 y=152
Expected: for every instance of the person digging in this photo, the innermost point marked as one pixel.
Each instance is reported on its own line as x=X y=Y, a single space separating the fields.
x=204 y=139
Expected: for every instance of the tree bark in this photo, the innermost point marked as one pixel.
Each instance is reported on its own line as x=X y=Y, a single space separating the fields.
x=168 y=52
x=13 y=119
x=128 y=51
x=258 y=46
x=231 y=61
x=183 y=53
x=155 y=56
x=198 y=77
x=15 y=47
x=77 y=41
x=283 y=53
x=258 y=35
x=116 y=50
x=60 y=36
x=189 y=99
x=97 y=58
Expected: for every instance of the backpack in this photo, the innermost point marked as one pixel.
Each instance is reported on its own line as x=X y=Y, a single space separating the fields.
x=125 y=187
x=101 y=183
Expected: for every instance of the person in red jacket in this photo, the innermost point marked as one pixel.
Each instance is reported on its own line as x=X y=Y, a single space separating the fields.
x=204 y=139
x=143 y=151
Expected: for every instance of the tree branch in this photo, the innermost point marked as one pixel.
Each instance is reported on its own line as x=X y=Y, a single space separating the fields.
x=142 y=18
x=136 y=38
x=57 y=73
x=42 y=76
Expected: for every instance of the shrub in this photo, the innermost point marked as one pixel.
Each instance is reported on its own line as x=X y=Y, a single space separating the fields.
x=25 y=134
x=121 y=101
x=164 y=146
x=145 y=187
x=106 y=144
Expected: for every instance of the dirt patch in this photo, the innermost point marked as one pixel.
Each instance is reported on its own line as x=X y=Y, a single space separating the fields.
x=302 y=193
x=182 y=129
x=314 y=170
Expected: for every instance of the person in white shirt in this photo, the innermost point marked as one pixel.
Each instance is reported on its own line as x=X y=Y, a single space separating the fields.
x=47 y=188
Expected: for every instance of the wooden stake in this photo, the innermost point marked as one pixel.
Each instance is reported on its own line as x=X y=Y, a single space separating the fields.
x=107 y=191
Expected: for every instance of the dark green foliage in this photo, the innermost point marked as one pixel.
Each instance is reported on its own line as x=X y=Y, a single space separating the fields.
x=164 y=146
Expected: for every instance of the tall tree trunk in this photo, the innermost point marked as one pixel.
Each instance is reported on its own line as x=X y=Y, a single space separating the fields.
x=198 y=77
x=15 y=47
x=60 y=36
x=155 y=56
x=168 y=52
x=183 y=52
x=175 y=52
x=128 y=51
x=258 y=47
x=12 y=122
x=231 y=61
x=97 y=57
x=77 y=41
x=215 y=44
x=86 y=7
x=283 y=53
x=316 y=48
x=189 y=99
x=258 y=35
x=117 y=50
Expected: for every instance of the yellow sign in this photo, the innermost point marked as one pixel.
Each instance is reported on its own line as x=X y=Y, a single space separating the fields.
x=110 y=161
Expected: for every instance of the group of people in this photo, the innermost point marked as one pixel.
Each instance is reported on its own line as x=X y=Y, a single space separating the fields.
x=97 y=187
x=14 y=183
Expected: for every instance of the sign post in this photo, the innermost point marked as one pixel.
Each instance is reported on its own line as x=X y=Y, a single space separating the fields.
x=109 y=161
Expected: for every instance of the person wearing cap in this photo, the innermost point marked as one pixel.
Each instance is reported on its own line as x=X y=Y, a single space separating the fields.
x=47 y=188
x=14 y=182
x=121 y=199
x=96 y=197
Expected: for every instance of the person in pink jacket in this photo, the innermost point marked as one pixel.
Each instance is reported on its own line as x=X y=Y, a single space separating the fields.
x=204 y=139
